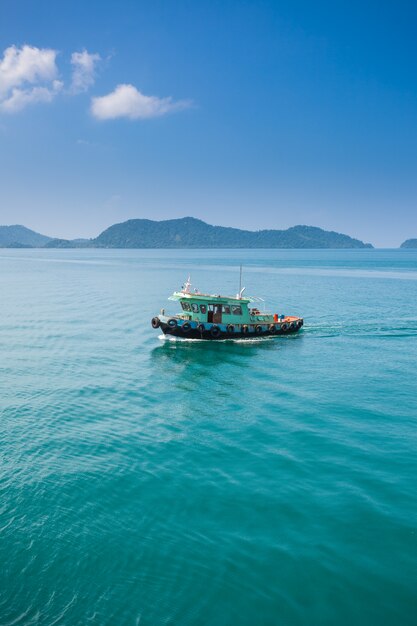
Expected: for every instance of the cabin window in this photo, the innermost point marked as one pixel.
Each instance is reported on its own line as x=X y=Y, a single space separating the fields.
x=203 y=309
x=214 y=313
x=236 y=309
x=194 y=307
x=226 y=309
x=185 y=306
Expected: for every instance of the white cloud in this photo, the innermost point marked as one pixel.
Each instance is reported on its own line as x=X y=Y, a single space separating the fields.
x=20 y=98
x=127 y=101
x=26 y=64
x=83 y=74
x=27 y=75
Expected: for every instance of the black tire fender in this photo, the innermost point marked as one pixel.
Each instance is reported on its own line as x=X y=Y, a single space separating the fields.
x=155 y=322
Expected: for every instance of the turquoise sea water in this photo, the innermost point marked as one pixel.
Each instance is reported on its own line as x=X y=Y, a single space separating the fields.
x=159 y=482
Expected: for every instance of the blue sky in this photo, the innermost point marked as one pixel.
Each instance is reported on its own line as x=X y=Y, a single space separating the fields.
x=248 y=114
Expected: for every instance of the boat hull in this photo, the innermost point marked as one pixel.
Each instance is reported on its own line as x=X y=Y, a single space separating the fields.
x=252 y=332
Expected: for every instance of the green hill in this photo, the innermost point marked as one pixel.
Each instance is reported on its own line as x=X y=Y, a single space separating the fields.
x=189 y=232
x=69 y=243
x=19 y=236
x=409 y=243
x=186 y=232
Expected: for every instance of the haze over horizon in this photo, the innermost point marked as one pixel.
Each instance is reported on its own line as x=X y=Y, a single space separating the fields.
x=256 y=115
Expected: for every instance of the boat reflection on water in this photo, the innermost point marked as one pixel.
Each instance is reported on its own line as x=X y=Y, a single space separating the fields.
x=240 y=352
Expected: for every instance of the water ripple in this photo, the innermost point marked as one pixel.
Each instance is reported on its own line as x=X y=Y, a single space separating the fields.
x=187 y=482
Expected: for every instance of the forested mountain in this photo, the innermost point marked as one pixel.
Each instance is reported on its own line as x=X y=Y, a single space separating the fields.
x=19 y=236
x=189 y=232
x=186 y=232
x=409 y=243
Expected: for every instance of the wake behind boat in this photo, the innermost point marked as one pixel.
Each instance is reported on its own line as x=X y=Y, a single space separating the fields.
x=207 y=316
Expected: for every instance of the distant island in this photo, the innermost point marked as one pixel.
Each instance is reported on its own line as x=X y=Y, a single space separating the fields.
x=409 y=243
x=21 y=237
x=186 y=232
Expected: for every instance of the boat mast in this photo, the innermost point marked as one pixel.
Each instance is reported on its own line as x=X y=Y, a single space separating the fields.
x=240 y=282
x=186 y=287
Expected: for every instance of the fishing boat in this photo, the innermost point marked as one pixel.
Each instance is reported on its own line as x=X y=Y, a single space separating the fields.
x=207 y=316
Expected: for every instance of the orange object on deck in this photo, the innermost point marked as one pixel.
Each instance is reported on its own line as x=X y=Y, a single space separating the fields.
x=275 y=317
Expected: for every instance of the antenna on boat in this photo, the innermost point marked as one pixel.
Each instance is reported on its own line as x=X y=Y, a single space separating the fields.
x=241 y=290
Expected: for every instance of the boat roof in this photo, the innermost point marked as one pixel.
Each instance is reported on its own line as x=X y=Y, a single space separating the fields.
x=181 y=295
x=187 y=294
